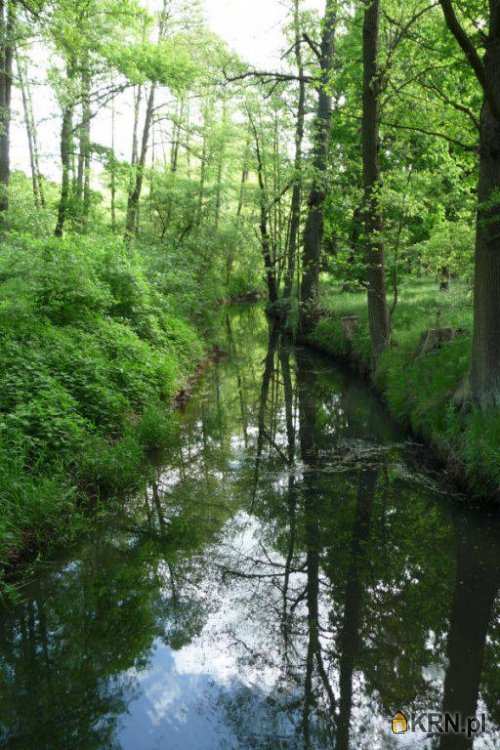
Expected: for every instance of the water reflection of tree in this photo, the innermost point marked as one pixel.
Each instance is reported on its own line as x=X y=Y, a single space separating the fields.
x=70 y=654
x=345 y=602
x=365 y=576
x=471 y=618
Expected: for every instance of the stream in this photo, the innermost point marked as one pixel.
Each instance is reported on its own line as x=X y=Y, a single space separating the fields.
x=294 y=576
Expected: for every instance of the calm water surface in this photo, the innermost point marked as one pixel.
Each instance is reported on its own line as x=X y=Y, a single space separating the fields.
x=291 y=579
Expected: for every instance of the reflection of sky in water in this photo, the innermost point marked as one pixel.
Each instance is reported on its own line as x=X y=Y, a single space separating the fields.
x=177 y=708
x=210 y=695
x=219 y=600
x=184 y=696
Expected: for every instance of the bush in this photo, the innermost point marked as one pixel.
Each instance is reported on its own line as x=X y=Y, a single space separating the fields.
x=91 y=355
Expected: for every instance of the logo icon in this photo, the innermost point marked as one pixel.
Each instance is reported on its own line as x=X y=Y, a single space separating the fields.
x=399 y=723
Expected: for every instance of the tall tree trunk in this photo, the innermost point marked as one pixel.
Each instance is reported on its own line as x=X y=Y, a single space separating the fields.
x=176 y=137
x=485 y=371
x=135 y=194
x=83 y=178
x=220 y=167
x=230 y=257
x=36 y=148
x=66 y=152
x=135 y=130
x=265 y=238
x=7 y=17
x=378 y=314
x=296 y=203
x=113 y=166
x=207 y=116
x=28 y=119
x=132 y=222
x=485 y=375
x=313 y=233
x=188 y=140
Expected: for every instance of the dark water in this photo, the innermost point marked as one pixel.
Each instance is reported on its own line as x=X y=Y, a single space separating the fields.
x=291 y=579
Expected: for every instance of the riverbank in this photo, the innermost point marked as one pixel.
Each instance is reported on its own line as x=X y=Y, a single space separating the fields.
x=92 y=356
x=291 y=505
x=419 y=383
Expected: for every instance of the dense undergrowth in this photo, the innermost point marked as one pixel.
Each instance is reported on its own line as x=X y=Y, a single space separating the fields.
x=92 y=350
x=421 y=389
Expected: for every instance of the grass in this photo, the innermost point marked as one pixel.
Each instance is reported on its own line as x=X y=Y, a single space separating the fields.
x=420 y=389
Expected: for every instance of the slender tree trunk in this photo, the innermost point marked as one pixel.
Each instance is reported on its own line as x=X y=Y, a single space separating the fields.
x=176 y=137
x=113 y=166
x=66 y=152
x=313 y=233
x=244 y=179
x=135 y=194
x=85 y=154
x=21 y=73
x=188 y=140
x=378 y=314
x=36 y=148
x=132 y=222
x=204 y=160
x=239 y=210
x=296 y=203
x=7 y=17
x=135 y=131
x=220 y=167
x=265 y=237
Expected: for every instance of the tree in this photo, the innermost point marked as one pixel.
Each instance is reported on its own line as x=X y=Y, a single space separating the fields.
x=485 y=365
x=36 y=176
x=7 y=18
x=313 y=232
x=378 y=315
x=296 y=202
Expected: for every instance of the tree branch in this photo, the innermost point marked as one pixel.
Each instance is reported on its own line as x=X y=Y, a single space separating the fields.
x=270 y=77
x=452 y=103
x=313 y=46
x=472 y=55
x=454 y=141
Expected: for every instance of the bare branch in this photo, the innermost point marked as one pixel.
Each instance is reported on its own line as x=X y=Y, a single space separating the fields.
x=267 y=77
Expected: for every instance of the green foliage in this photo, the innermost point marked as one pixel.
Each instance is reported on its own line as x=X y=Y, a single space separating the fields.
x=91 y=355
x=450 y=246
x=420 y=389
x=157 y=428
x=112 y=468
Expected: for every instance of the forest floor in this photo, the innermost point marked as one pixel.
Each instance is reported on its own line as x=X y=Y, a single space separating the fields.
x=420 y=388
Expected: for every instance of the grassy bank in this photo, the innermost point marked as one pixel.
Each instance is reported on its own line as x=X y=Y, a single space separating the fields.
x=92 y=351
x=418 y=388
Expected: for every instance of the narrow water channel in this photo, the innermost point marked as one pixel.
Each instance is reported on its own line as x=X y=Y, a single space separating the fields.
x=292 y=579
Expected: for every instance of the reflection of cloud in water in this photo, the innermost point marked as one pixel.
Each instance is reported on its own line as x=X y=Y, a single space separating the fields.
x=175 y=710
x=204 y=696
